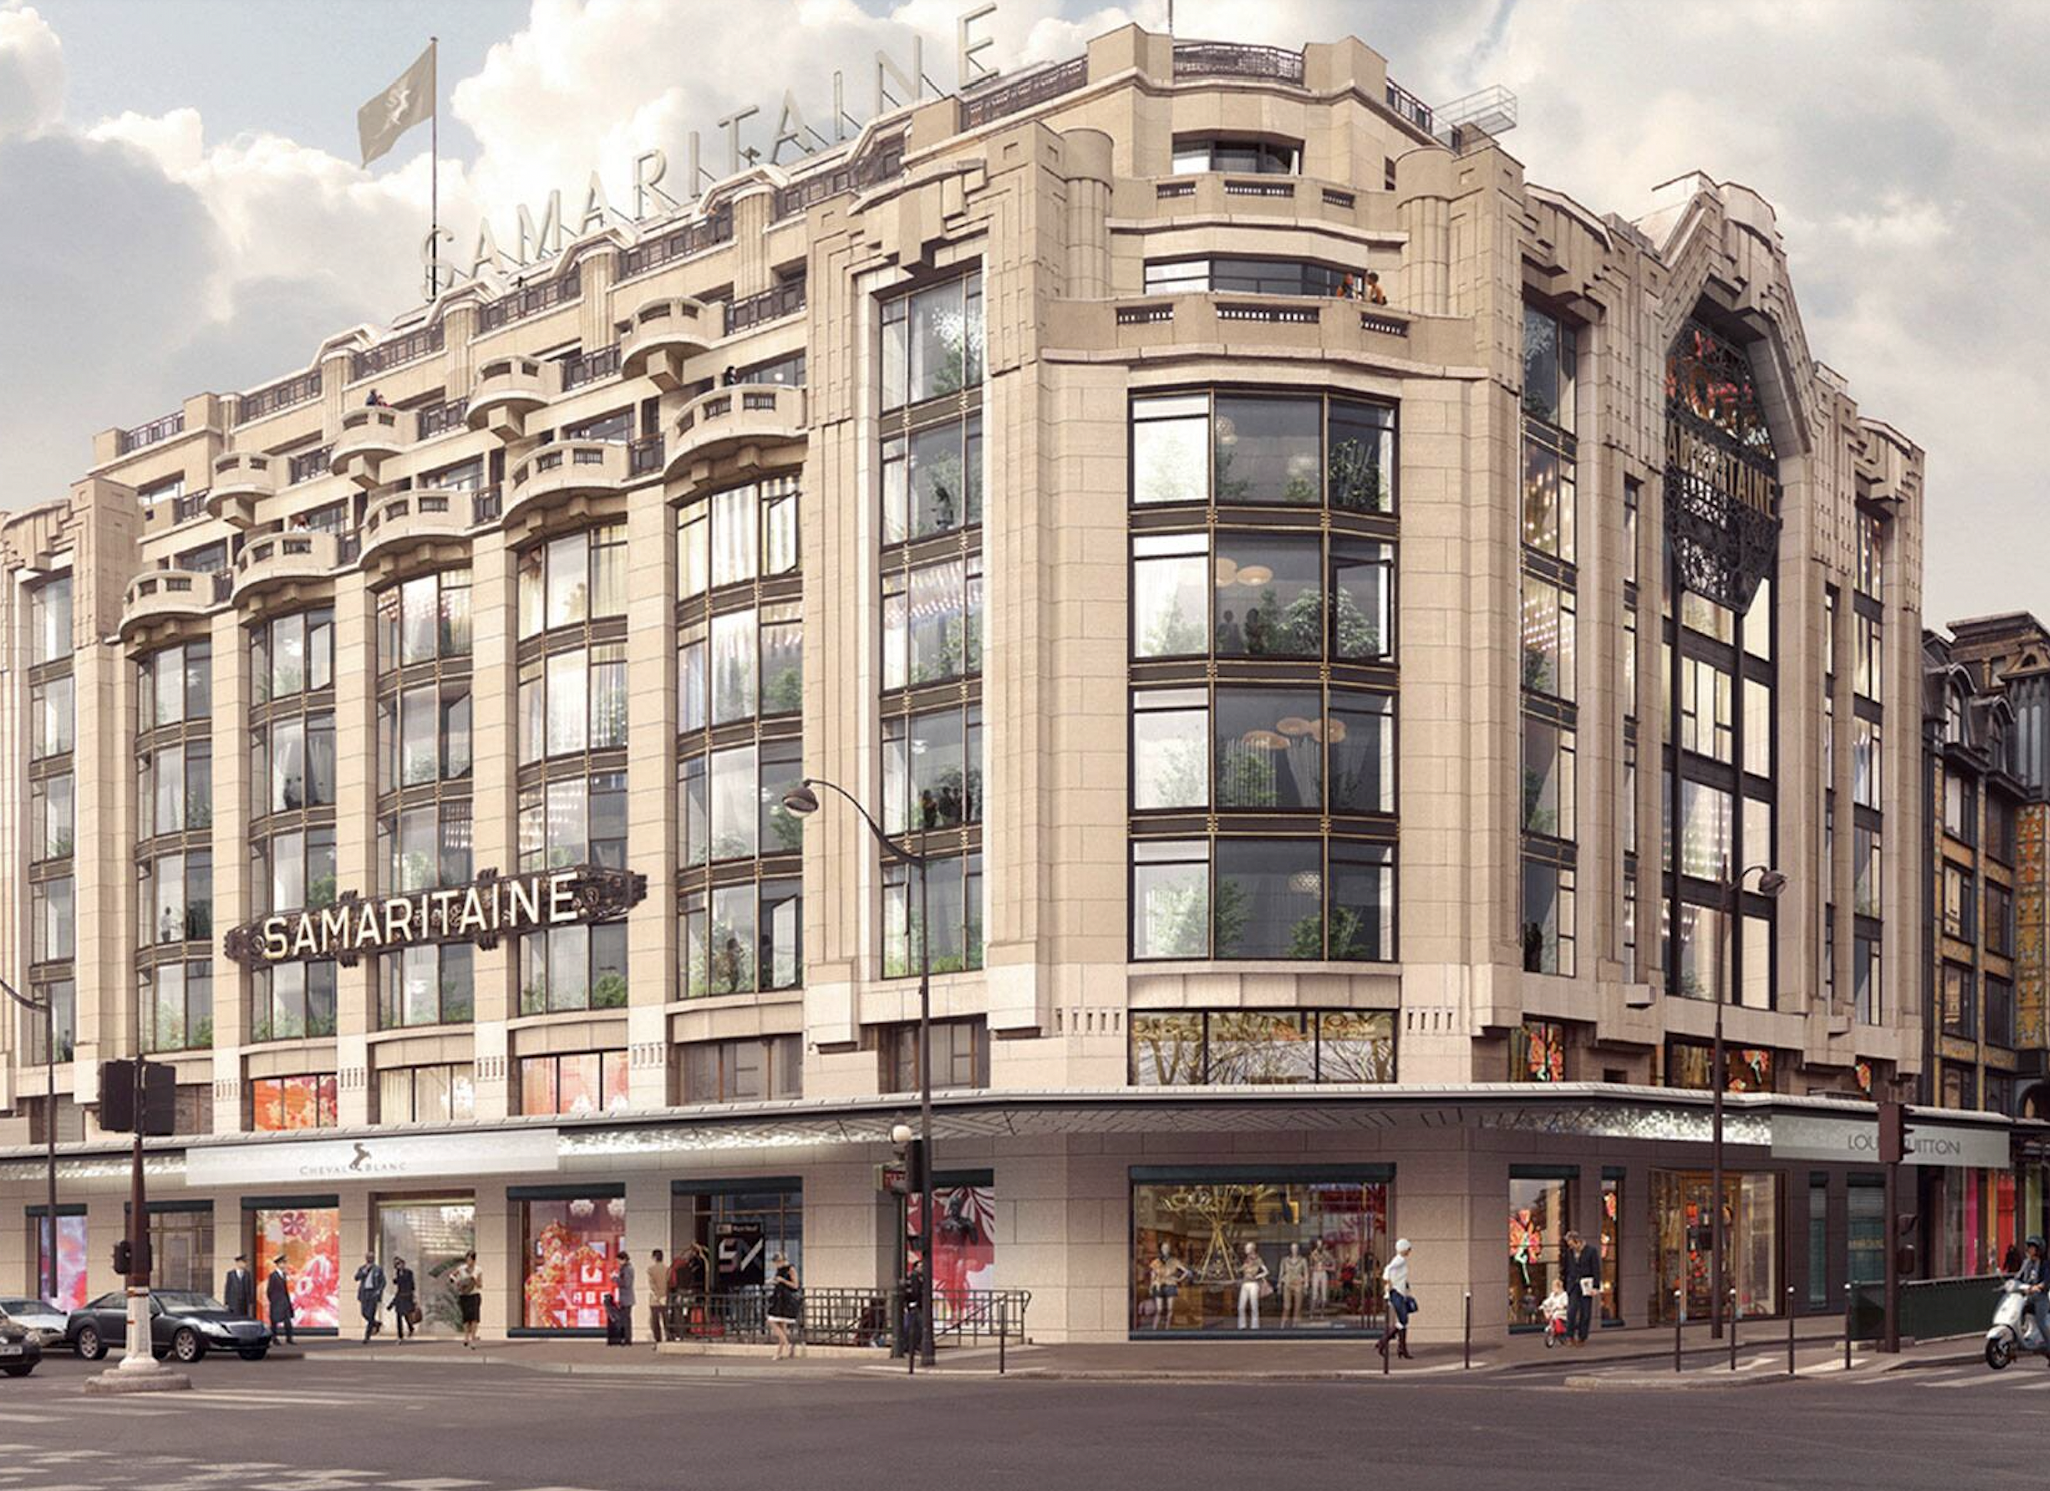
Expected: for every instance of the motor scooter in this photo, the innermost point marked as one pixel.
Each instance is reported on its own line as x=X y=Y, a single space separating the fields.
x=2014 y=1331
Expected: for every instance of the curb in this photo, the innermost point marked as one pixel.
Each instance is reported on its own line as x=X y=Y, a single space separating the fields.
x=1692 y=1382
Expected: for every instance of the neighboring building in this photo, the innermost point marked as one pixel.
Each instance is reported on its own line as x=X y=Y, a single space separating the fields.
x=1275 y=681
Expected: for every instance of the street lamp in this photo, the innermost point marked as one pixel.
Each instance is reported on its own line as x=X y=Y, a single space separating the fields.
x=1770 y=883
x=47 y=1008
x=803 y=800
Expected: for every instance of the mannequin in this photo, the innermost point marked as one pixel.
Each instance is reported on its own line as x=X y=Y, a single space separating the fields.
x=1295 y=1282
x=1164 y=1275
x=1320 y=1277
x=1252 y=1284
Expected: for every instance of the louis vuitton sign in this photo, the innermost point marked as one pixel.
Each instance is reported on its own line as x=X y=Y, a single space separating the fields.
x=481 y=912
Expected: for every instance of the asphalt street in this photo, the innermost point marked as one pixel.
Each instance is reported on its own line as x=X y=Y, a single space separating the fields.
x=328 y=1423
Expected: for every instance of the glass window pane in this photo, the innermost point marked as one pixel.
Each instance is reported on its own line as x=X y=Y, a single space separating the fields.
x=1269 y=900
x=1359 y=733
x=1170 y=749
x=1171 y=899
x=733 y=803
x=568 y=579
x=1170 y=456
x=568 y=701
x=1269 y=597
x=733 y=666
x=1171 y=601
x=1268 y=749
x=1269 y=450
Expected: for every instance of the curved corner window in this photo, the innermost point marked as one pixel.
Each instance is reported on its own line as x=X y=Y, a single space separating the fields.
x=1263 y=450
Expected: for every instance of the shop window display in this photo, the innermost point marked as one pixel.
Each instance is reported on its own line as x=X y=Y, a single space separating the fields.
x=71 y=1259
x=965 y=1245
x=571 y=1248
x=1681 y=1216
x=309 y=1239
x=432 y=1236
x=181 y=1240
x=1540 y=1211
x=1537 y=1052
x=1320 y=1241
x=1612 y=1246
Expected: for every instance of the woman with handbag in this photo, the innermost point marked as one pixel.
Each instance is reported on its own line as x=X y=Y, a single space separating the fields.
x=404 y=1308
x=1395 y=1280
x=784 y=1305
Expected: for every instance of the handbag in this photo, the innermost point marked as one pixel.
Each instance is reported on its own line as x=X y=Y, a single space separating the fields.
x=413 y=1316
x=1266 y=1289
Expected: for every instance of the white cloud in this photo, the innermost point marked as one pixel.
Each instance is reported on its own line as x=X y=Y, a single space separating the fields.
x=31 y=73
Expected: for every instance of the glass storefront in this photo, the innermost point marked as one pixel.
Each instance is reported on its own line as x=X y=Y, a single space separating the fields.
x=181 y=1242
x=965 y=1248
x=1866 y=1198
x=1203 y=1240
x=432 y=1236
x=736 y=1227
x=308 y=1236
x=569 y=1247
x=1612 y=1246
x=71 y=1291
x=1540 y=1208
x=1681 y=1218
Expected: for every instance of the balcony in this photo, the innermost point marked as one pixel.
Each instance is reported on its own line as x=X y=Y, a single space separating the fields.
x=416 y=517
x=575 y=468
x=242 y=478
x=508 y=390
x=663 y=334
x=728 y=420
x=167 y=595
x=282 y=558
x=368 y=436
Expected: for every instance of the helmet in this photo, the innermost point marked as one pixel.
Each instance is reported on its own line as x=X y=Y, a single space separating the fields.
x=2035 y=1241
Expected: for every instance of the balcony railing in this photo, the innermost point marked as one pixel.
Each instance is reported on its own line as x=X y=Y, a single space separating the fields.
x=298 y=389
x=532 y=301
x=644 y=455
x=399 y=350
x=1001 y=100
x=439 y=419
x=151 y=433
x=689 y=239
x=1228 y=59
x=882 y=164
x=589 y=367
x=781 y=300
x=1408 y=107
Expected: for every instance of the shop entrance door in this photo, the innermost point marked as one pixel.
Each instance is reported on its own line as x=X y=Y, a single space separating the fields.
x=432 y=1234
x=1681 y=1219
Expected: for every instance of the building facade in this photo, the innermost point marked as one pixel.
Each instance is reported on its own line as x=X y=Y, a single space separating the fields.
x=1263 y=670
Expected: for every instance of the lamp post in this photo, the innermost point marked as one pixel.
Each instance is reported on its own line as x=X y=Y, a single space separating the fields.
x=803 y=800
x=47 y=1008
x=1770 y=883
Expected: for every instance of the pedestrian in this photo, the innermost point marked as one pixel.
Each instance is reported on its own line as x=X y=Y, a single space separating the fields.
x=239 y=1293
x=1395 y=1280
x=658 y=1295
x=623 y=1281
x=369 y=1294
x=468 y=1282
x=277 y=1299
x=686 y=1284
x=1583 y=1285
x=784 y=1303
x=914 y=1305
x=615 y=1321
x=405 y=1307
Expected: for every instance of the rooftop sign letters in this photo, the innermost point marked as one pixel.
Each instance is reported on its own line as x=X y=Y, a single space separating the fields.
x=481 y=912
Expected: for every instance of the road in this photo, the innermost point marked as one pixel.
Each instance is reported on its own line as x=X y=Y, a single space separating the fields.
x=327 y=1423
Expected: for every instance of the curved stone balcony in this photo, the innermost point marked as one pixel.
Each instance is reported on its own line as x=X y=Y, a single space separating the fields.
x=168 y=595
x=367 y=438
x=508 y=390
x=663 y=333
x=726 y=420
x=242 y=479
x=574 y=468
x=280 y=558
x=422 y=516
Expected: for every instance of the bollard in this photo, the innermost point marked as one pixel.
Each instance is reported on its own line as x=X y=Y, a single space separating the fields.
x=1847 y=1327
x=1466 y=1351
x=1790 y=1330
x=1387 y=1336
x=1003 y=1334
x=1679 y=1319
x=1733 y=1330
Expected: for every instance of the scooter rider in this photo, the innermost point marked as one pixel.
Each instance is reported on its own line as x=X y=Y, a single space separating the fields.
x=2034 y=1277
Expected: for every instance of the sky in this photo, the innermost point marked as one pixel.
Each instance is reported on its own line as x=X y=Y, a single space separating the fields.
x=181 y=206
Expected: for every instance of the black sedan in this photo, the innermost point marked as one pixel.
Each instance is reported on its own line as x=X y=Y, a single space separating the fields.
x=182 y=1325
x=20 y=1350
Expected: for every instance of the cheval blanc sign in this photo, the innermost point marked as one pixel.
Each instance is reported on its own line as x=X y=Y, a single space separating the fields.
x=383 y=1157
x=481 y=912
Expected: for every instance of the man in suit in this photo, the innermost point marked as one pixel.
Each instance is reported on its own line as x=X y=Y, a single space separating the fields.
x=239 y=1294
x=1583 y=1284
x=277 y=1297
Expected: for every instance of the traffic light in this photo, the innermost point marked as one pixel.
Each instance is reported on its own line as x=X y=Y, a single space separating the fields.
x=124 y=1259
x=1904 y=1242
x=1893 y=1133
x=118 y=1115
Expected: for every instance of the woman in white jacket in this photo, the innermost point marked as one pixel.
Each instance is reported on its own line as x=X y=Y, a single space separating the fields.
x=1395 y=1283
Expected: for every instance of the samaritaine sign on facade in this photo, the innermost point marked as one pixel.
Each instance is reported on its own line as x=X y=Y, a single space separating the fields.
x=480 y=912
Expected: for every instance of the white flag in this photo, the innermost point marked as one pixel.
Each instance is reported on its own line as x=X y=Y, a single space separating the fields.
x=407 y=102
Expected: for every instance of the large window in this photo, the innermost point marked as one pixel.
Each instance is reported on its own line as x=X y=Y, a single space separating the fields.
x=278 y=1104
x=573 y=579
x=1186 y=1048
x=423 y=619
x=307 y=1238
x=292 y=763
x=53 y=813
x=53 y=926
x=292 y=654
x=292 y=1001
x=1252 y=277
x=294 y=870
x=1239 y=156
x=423 y=734
x=932 y=770
x=174 y=789
x=1548 y=638
x=573 y=701
x=748 y=1070
x=419 y=848
x=177 y=1005
x=430 y=985
x=441 y=1093
x=960 y=1055
x=932 y=480
x=742 y=533
x=50 y=717
x=742 y=936
x=575 y=1084
x=740 y=664
x=1540 y=1211
x=175 y=684
x=1548 y=917
x=573 y=968
x=731 y=802
x=574 y=821
x=1263 y=899
x=570 y=1246
x=1261 y=596
x=932 y=342
x=954 y=900
x=1264 y=750
x=49 y=620
x=932 y=622
x=1263 y=450
x=175 y=898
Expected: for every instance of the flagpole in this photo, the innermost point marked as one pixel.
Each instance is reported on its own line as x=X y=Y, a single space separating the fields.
x=434 y=176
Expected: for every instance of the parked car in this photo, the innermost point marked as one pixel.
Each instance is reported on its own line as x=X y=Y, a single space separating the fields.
x=40 y=1319
x=182 y=1325
x=19 y=1349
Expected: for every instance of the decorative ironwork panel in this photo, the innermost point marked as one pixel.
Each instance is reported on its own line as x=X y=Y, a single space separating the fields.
x=1722 y=478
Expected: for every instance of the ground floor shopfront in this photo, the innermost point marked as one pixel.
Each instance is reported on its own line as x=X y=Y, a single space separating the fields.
x=1205 y=1214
